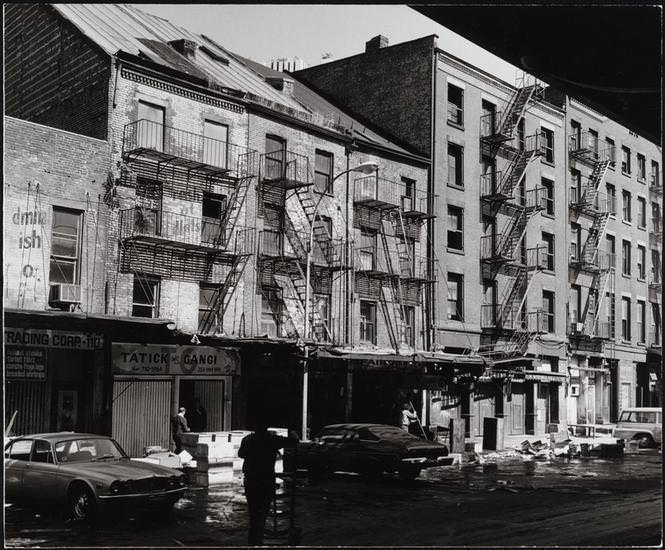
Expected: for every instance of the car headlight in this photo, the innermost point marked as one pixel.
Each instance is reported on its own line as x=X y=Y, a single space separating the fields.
x=115 y=487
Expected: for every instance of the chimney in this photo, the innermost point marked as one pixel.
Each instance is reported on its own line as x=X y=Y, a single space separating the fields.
x=376 y=43
x=184 y=47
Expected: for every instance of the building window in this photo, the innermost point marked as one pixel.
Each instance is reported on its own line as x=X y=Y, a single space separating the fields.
x=641 y=212
x=322 y=307
x=408 y=194
x=625 y=248
x=575 y=186
x=548 y=308
x=575 y=245
x=455 y=297
x=549 y=196
x=145 y=296
x=150 y=126
x=627 y=199
x=655 y=266
x=641 y=262
x=625 y=318
x=215 y=144
x=65 y=246
x=548 y=144
x=367 y=250
x=455 y=105
x=207 y=296
x=575 y=135
x=625 y=160
x=408 y=336
x=271 y=313
x=521 y=136
x=275 y=159
x=548 y=241
x=367 y=322
x=655 y=218
x=455 y=165
x=611 y=250
x=611 y=198
x=610 y=152
x=575 y=306
x=654 y=337
x=212 y=210
x=641 y=322
x=323 y=167
x=641 y=168
x=455 y=228
x=655 y=174
x=593 y=142
x=488 y=119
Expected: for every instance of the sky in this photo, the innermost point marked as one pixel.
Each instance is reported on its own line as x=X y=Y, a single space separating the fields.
x=262 y=32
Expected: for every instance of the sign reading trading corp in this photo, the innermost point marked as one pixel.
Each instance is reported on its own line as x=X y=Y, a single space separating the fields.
x=46 y=338
x=174 y=360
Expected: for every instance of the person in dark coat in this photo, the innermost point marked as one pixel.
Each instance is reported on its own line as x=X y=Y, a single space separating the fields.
x=259 y=451
x=179 y=427
x=197 y=417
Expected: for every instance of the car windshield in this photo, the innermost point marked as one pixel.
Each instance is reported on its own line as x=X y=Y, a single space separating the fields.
x=641 y=417
x=88 y=450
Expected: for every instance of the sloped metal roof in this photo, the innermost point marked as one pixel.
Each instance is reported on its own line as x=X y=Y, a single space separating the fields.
x=123 y=27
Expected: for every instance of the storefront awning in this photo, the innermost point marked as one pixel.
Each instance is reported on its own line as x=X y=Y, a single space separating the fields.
x=545 y=376
x=419 y=358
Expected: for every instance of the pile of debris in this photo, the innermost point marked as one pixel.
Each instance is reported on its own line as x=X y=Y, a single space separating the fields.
x=570 y=447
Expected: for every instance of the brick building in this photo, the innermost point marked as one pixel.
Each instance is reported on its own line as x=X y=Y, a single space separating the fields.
x=501 y=167
x=213 y=178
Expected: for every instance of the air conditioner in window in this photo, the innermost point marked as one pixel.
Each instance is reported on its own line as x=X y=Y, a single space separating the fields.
x=62 y=293
x=574 y=390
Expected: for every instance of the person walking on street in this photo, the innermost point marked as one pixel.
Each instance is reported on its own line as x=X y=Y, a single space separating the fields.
x=259 y=451
x=179 y=427
x=197 y=417
x=408 y=417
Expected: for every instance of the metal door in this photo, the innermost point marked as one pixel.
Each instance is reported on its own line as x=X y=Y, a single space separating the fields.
x=211 y=395
x=141 y=414
x=517 y=410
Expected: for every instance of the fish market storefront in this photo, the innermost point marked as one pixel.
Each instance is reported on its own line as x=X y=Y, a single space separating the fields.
x=150 y=382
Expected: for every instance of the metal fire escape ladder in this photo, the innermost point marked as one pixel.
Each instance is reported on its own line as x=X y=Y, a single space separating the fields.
x=292 y=330
x=519 y=341
x=300 y=286
x=605 y=278
x=322 y=237
x=596 y=232
x=396 y=285
x=232 y=213
x=593 y=186
x=222 y=295
x=516 y=109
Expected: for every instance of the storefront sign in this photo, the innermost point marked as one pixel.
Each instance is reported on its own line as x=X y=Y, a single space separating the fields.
x=46 y=338
x=174 y=360
x=25 y=363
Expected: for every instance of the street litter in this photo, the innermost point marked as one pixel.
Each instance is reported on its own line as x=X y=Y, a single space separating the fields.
x=571 y=446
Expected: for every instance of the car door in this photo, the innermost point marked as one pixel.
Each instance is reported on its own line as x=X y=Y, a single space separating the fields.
x=17 y=457
x=40 y=471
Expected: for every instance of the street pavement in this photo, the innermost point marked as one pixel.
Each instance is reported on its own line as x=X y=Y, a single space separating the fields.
x=503 y=501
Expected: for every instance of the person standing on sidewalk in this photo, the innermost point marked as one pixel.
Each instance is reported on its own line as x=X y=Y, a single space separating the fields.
x=179 y=427
x=259 y=451
x=408 y=417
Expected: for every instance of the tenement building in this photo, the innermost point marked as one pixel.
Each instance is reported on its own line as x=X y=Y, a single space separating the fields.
x=527 y=221
x=191 y=225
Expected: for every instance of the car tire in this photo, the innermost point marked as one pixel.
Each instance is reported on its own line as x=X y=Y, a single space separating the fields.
x=81 y=503
x=408 y=473
x=645 y=441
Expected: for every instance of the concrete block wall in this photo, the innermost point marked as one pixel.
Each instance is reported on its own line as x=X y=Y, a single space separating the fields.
x=58 y=78
x=45 y=168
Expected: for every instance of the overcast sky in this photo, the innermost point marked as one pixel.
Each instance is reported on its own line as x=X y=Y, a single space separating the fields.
x=262 y=32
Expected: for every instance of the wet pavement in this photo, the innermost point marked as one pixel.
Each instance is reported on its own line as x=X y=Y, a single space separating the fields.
x=503 y=501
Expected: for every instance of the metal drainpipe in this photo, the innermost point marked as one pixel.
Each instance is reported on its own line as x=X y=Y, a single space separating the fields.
x=430 y=333
x=348 y=340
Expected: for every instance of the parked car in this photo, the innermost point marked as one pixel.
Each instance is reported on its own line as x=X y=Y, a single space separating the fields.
x=369 y=449
x=85 y=472
x=644 y=424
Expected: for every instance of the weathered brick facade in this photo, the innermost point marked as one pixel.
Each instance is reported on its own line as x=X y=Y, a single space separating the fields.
x=55 y=76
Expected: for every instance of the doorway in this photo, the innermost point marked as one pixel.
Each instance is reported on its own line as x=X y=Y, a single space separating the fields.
x=211 y=397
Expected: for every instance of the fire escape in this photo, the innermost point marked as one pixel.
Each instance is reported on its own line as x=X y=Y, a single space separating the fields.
x=391 y=272
x=589 y=202
x=203 y=243
x=656 y=246
x=288 y=208
x=507 y=207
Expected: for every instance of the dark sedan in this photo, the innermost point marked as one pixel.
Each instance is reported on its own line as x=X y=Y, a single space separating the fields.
x=84 y=473
x=369 y=449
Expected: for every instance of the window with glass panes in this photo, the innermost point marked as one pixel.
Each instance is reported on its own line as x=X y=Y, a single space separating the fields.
x=65 y=246
x=610 y=151
x=212 y=210
x=215 y=143
x=547 y=136
x=627 y=200
x=575 y=306
x=408 y=194
x=548 y=185
x=548 y=308
x=323 y=168
x=655 y=174
x=145 y=296
x=641 y=320
x=409 y=330
x=150 y=126
x=641 y=262
x=625 y=318
x=626 y=252
x=593 y=142
x=625 y=160
x=641 y=167
x=207 y=296
x=455 y=105
x=455 y=227
x=275 y=159
x=575 y=186
x=367 y=250
x=575 y=135
x=611 y=198
x=367 y=322
x=548 y=241
x=610 y=243
x=575 y=245
x=455 y=165
x=641 y=212
x=455 y=296
x=655 y=266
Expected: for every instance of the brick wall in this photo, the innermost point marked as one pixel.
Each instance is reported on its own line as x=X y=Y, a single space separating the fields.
x=44 y=168
x=391 y=88
x=53 y=75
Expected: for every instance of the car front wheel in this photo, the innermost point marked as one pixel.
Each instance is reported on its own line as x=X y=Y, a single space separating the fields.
x=645 y=441
x=82 y=505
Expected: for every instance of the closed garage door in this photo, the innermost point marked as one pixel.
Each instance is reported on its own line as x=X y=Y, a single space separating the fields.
x=141 y=414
